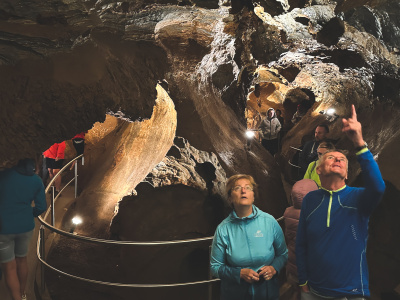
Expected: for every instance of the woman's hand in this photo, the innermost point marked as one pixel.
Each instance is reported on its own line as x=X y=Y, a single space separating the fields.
x=249 y=275
x=268 y=272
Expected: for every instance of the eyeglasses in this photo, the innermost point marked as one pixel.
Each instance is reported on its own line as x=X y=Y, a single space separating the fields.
x=238 y=188
x=339 y=158
x=319 y=153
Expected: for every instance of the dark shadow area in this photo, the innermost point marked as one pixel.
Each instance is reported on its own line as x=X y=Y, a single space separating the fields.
x=174 y=152
x=174 y=212
x=331 y=32
x=289 y=73
x=303 y=20
x=207 y=171
x=295 y=98
x=344 y=59
x=383 y=245
x=297 y=4
x=386 y=88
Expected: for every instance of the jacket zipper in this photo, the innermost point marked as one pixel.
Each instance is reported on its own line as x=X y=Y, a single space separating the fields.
x=328 y=219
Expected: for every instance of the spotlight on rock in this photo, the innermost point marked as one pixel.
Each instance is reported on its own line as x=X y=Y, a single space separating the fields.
x=75 y=222
x=330 y=114
x=330 y=111
x=250 y=134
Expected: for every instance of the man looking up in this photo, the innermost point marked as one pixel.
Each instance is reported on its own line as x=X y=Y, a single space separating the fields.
x=309 y=152
x=333 y=227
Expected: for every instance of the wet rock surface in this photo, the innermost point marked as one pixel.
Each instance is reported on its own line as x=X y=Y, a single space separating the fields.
x=221 y=65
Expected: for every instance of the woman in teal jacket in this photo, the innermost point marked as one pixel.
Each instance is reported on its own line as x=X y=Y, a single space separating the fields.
x=249 y=247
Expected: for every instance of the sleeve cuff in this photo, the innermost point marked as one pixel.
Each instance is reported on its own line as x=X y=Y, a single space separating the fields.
x=304 y=283
x=362 y=151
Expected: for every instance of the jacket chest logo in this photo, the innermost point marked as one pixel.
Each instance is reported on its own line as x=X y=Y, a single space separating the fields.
x=258 y=234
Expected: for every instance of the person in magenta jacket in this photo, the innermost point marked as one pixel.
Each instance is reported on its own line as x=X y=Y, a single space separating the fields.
x=54 y=162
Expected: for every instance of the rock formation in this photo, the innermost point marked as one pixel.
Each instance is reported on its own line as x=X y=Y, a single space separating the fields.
x=203 y=71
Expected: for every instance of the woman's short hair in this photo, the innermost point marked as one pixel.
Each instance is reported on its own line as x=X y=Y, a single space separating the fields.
x=230 y=183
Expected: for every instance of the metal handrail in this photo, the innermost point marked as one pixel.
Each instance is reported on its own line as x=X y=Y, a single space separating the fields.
x=40 y=246
x=40 y=249
x=293 y=165
x=298 y=149
x=104 y=241
x=120 y=284
x=62 y=170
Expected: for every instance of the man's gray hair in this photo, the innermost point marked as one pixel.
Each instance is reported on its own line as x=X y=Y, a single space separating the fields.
x=344 y=152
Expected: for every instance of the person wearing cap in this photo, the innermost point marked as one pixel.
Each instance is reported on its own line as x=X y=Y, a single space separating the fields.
x=331 y=241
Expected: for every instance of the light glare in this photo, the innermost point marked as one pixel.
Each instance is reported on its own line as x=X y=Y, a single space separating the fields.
x=330 y=111
x=76 y=220
x=250 y=134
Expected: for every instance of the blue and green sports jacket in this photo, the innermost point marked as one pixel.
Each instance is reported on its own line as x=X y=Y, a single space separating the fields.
x=332 y=234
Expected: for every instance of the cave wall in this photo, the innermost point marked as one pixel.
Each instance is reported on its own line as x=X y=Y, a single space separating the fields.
x=219 y=65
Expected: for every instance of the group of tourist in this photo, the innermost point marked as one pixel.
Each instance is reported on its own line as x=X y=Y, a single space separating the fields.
x=20 y=187
x=326 y=230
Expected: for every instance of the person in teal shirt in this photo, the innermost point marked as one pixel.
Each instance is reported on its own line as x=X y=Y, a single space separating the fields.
x=19 y=188
x=311 y=172
x=248 y=249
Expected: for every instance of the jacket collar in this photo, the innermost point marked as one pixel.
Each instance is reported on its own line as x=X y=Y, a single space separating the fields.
x=251 y=216
x=329 y=191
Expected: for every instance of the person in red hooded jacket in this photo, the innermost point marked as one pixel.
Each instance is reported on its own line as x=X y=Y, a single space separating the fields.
x=292 y=216
x=54 y=162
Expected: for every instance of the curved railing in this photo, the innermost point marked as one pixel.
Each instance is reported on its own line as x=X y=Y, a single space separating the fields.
x=41 y=245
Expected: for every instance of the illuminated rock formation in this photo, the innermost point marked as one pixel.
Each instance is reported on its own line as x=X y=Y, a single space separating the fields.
x=220 y=65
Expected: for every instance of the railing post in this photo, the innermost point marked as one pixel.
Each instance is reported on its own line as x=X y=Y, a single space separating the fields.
x=209 y=275
x=76 y=179
x=52 y=207
x=42 y=255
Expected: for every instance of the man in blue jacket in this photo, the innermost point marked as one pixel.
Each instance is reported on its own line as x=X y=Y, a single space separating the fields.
x=333 y=228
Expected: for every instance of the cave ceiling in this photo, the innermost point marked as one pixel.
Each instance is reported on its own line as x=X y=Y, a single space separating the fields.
x=193 y=74
x=65 y=64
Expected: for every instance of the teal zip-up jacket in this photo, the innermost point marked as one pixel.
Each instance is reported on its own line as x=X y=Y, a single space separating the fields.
x=251 y=242
x=332 y=235
x=19 y=187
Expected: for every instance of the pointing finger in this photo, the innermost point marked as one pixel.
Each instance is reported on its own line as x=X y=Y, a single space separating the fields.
x=353 y=112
